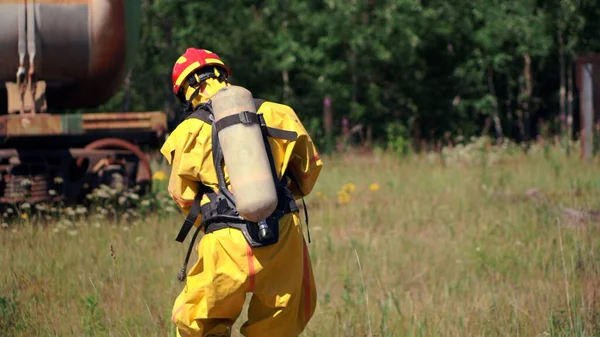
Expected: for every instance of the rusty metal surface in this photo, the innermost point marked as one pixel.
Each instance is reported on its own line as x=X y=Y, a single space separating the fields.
x=45 y=124
x=152 y=120
x=39 y=124
x=14 y=101
x=28 y=176
x=26 y=188
x=64 y=43
x=62 y=40
x=81 y=48
x=9 y=55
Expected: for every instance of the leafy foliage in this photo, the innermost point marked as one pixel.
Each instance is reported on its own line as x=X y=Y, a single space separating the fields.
x=436 y=67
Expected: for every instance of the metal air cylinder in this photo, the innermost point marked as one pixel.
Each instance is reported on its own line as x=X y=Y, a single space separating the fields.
x=245 y=156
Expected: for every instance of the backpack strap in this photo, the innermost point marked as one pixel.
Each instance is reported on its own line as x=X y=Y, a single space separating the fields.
x=203 y=113
x=193 y=214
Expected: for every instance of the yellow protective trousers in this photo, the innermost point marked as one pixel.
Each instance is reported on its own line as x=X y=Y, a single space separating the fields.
x=279 y=277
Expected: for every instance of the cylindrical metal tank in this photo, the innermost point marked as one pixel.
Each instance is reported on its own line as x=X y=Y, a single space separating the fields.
x=82 y=47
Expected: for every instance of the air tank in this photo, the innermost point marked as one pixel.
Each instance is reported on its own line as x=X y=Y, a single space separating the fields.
x=245 y=155
x=83 y=48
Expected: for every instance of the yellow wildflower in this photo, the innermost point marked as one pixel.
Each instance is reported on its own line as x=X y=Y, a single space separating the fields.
x=349 y=187
x=343 y=197
x=159 y=175
x=321 y=195
x=24 y=216
x=374 y=187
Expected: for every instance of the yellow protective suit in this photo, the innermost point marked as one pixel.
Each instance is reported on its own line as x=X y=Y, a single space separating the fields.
x=279 y=276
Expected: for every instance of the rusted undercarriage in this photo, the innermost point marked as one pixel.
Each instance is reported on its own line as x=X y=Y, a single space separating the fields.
x=51 y=175
x=50 y=157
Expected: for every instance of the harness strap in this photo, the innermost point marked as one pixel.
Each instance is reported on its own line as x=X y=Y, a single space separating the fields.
x=190 y=219
x=220 y=212
x=201 y=114
x=244 y=117
x=282 y=134
x=247 y=117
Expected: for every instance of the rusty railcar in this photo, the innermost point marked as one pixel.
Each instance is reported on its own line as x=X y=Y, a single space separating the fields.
x=69 y=54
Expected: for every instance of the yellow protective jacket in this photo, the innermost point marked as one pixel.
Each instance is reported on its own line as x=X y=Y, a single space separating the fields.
x=189 y=152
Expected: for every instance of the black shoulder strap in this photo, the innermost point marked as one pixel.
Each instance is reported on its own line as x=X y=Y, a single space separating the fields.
x=258 y=102
x=202 y=114
x=190 y=219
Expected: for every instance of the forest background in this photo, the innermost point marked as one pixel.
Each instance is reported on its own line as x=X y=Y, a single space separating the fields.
x=406 y=74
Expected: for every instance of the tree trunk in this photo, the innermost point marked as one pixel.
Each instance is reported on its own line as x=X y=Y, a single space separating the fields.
x=508 y=107
x=497 y=124
x=287 y=89
x=519 y=111
x=561 y=62
x=526 y=94
x=569 y=107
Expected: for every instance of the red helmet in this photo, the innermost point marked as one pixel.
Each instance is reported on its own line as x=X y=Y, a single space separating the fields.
x=191 y=61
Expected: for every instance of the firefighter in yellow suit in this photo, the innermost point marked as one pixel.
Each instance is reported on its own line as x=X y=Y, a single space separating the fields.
x=279 y=276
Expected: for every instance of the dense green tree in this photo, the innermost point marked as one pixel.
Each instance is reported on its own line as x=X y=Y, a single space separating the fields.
x=403 y=68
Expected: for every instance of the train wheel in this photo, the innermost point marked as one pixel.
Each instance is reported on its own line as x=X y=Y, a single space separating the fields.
x=144 y=174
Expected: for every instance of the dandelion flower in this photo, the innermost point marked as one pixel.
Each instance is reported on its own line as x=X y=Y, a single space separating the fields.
x=343 y=197
x=24 y=216
x=321 y=195
x=159 y=175
x=374 y=187
x=349 y=187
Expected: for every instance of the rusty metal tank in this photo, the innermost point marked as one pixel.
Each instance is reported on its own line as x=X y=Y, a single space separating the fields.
x=82 y=48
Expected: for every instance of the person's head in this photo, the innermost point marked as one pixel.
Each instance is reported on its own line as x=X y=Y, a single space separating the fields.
x=197 y=75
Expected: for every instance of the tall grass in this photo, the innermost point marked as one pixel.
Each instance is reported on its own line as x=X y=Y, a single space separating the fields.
x=419 y=245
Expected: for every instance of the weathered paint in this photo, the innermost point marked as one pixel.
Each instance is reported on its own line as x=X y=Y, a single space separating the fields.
x=154 y=120
x=34 y=125
x=51 y=124
x=41 y=166
x=71 y=124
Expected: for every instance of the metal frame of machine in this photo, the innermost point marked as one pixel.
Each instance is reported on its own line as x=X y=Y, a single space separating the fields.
x=75 y=63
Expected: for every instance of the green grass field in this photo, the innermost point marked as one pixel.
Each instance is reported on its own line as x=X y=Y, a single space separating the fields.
x=428 y=245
